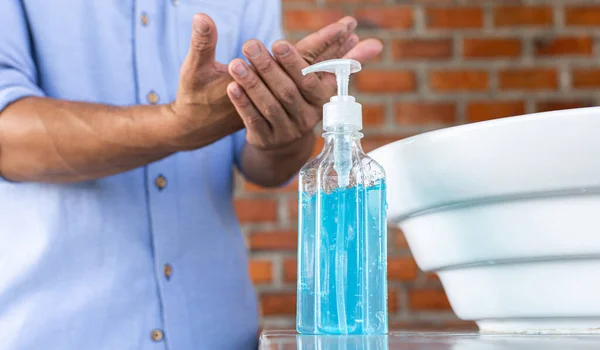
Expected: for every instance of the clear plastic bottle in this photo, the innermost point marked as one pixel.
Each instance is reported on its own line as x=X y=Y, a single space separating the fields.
x=342 y=252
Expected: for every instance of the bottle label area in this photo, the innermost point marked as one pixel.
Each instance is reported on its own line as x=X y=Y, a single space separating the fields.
x=342 y=257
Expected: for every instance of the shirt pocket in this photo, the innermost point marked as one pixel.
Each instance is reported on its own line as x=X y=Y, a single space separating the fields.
x=225 y=14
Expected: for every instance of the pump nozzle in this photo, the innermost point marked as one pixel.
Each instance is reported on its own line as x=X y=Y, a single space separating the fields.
x=342 y=68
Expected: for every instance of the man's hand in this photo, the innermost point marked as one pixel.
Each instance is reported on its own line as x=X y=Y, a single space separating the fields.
x=202 y=98
x=279 y=106
x=49 y=140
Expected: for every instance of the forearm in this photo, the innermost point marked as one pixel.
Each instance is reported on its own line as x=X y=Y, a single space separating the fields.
x=270 y=168
x=47 y=140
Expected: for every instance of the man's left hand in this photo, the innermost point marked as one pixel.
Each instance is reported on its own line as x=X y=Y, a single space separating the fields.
x=279 y=105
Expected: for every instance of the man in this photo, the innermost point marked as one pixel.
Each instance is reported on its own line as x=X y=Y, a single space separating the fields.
x=117 y=144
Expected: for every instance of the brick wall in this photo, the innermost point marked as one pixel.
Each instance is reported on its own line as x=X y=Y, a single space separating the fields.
x=444 y=63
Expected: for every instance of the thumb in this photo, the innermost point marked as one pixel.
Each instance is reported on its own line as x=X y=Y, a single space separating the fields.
x=203 y=43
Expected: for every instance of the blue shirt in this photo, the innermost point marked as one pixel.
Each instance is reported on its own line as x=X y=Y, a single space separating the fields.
x=87 y=265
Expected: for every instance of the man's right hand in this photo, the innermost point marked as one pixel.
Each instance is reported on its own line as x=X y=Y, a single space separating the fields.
x=202 y=112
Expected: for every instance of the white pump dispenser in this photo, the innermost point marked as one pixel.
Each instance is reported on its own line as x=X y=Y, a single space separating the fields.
x=342 y=110
x=341 y=113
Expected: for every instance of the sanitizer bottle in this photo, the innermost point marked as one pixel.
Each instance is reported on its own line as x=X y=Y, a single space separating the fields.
x=342 y=250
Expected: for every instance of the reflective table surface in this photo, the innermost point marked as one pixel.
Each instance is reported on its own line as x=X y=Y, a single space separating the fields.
x=289 y=340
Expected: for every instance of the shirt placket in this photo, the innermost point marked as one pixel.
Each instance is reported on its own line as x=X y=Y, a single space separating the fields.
x=161 y=175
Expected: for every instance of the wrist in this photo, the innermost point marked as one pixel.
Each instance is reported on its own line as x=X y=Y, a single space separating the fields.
x=169 y=130
x=273 y=167
x=189 y=127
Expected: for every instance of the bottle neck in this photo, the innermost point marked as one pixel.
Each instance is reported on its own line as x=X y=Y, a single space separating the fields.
x=343 y=134
x=343 y=129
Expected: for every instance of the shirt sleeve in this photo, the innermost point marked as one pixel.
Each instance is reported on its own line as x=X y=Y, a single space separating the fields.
x=262 y=22
x=18 y=73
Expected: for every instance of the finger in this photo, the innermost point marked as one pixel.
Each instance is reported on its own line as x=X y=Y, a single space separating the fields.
x=350 y=23
x=203 y=42
x=365 y=50
x=292 y=62
x=344 y=43
x=201 y=54
x=314 y=45
x=258 y=128
x=350 y=43
x=276 y=79
x=262 y=98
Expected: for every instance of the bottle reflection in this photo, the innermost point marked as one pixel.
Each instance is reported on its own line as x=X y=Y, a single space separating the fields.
x=341 y=342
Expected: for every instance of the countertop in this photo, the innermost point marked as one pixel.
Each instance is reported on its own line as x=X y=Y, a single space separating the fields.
x=289 y=340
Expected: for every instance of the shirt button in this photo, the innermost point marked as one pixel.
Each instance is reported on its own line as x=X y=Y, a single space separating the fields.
x=168 y=271
x=144 y=19
x=157 y=335
x=152 y=97
x=160 y=182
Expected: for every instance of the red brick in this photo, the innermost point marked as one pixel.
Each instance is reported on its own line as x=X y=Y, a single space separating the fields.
x=582 y=45
x=292 y=186
x=319 y=144
x=290 y=270
x=293 y=209
x=432 y=276
x=454 y=17
x=428 y=300
x=425 y=113
x=458 y=80
x=389 y=17
x=421 y=49
x=278 y=304
x=393 y=304
x=582 y=16
x=310 y=19
x=586 y=78
x=528 y=79
x=273 y=240
x=491 y=47
x=260 y=271
x=554 y=105
x=402 y=269
x=373 y=115
x=256 y=210
x=523 y=16
x=383 y=81
x=399 y=238
x=486 y=110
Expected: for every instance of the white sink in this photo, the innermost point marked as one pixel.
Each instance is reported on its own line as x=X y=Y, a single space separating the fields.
x=507 y=212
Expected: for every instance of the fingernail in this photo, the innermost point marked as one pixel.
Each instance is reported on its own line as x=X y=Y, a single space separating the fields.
x=235 y=90
x=352 y=25
x=252 y=49
x=240 y=69
x=201 y=25
x=281 y=49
